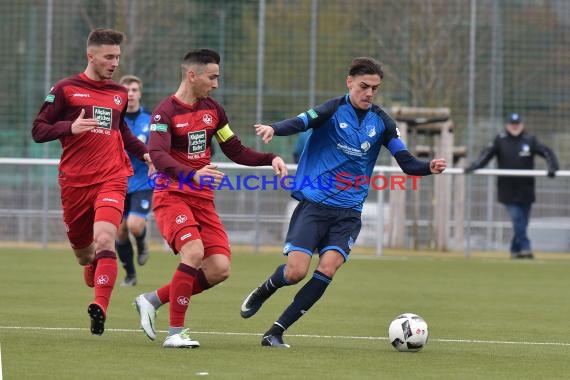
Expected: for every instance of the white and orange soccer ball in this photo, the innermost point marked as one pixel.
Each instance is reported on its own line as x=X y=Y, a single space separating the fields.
x=408 y=332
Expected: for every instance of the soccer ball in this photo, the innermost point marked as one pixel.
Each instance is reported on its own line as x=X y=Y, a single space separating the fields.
x=408 y=332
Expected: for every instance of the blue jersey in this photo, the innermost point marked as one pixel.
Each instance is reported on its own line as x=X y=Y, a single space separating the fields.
x=345 y=143
x=139 y=123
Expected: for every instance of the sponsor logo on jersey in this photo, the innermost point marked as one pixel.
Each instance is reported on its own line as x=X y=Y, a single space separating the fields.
x=104 y=115
x=181 y=125
x=181 y=219
x=110 y=200
x=158 y=127
x=196 y=142
x=50 y=98
x=79 y=95
x=185 y=236
x=349 y=150
x=312 y=114
x=207 y=119
x=156 y=118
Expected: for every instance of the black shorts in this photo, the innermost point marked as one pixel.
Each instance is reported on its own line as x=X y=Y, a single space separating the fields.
x=138 y=203
x=319 y=228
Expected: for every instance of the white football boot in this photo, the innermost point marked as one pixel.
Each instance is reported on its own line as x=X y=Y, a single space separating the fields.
x=180 y=340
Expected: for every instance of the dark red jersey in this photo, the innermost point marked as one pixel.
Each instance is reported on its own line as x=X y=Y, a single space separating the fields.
x=97 y=155
x=181 y=137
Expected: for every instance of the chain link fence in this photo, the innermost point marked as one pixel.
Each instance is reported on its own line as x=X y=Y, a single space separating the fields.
x=481 y=58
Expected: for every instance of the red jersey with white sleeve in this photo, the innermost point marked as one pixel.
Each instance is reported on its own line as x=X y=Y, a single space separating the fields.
x=97 y=155
x=180 y=143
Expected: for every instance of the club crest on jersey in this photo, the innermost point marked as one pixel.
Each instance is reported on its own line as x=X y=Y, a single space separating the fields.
x=181 y=219
x=207 y=119
x=117 y=99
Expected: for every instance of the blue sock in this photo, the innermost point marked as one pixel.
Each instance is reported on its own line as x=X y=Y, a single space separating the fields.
x=125 y=252
x=274 y=282
x=303 y=301
x=140 y=241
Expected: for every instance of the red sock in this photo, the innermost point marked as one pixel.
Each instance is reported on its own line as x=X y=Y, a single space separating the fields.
x=180 y=293
x=105 y=277
x=201 y=283
x=163 y=294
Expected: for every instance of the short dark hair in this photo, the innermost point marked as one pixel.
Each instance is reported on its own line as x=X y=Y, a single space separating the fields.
x=102 y=36
x=365 y=66
x=200 y=57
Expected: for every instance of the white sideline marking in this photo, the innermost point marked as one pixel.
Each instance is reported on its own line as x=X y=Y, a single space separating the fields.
x=0 y=362
x=472 y=341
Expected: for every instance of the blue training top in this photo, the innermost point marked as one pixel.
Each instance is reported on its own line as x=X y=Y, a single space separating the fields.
x=139 y=123
x=345 y=143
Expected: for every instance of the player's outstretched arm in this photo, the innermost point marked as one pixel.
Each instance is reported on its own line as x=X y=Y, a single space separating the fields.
x=264 y=131
x=437 y=165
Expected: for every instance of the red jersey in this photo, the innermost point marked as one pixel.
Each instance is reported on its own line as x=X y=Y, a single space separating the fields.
x=181 y=137
x=97 y=155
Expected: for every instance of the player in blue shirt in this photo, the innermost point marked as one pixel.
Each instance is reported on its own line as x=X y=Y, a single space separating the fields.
x=139 y=195
x=341 y=152
x=300 y=145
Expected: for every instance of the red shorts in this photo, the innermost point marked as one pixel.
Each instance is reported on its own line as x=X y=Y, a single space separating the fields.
x=83 y=206
x=182 y=218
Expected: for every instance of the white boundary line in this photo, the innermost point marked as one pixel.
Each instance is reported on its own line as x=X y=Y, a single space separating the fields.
x=0 y=362
x=470 y=341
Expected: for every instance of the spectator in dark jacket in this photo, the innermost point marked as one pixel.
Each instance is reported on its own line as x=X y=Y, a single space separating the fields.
x=515 y=149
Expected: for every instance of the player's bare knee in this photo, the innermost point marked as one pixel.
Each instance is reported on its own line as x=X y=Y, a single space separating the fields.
x=83 y=261
x=136 y=229
x=222 y=276
x=85 y=256
x=104 y=241
x=191 y=256
x=294 y=275
x=327 y=270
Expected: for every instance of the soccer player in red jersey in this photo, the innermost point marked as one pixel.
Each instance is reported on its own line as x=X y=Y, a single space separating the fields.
x=182 y=129
x=85 y=112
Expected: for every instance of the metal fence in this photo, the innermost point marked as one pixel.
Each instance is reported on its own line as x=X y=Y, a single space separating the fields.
x=257 y=213
x=481 y=58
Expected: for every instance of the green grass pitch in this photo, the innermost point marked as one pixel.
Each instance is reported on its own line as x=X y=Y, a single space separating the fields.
x=488 y=317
